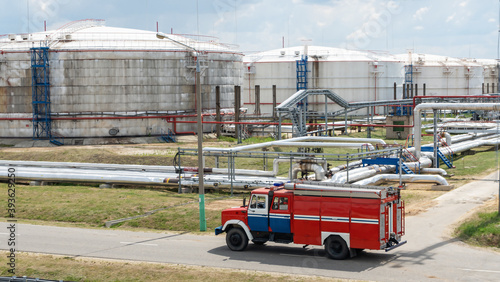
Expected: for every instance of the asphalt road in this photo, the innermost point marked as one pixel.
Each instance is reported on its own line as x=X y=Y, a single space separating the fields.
x=429 y=254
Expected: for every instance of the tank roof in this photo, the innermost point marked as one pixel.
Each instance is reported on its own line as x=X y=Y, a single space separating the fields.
x=321 y=53
x=437 y=60
x=94 y=35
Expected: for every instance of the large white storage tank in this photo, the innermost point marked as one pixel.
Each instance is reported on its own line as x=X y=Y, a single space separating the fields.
x=354 y=75
x=105 y=78
x=444 y=76
x=490 y=74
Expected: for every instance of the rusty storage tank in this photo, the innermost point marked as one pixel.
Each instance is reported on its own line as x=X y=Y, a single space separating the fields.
x=108 y=81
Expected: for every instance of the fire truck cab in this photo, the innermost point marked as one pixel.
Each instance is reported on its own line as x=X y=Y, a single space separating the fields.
x=343 y=219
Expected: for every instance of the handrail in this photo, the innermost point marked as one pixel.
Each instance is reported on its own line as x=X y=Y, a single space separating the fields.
x=412 y=157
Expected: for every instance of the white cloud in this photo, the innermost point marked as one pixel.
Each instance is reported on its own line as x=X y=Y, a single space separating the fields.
x=464 y=3
x=419 y=14
x=450 y=18
x=418 y=27
x=491 y=20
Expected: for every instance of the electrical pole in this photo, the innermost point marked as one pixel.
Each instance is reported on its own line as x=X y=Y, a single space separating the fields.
x=201 y=189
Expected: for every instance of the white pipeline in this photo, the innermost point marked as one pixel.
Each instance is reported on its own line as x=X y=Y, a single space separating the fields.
x=377 y=179
x=359 y=173
x=306 y=142
x=431 y=170
x=417 y=129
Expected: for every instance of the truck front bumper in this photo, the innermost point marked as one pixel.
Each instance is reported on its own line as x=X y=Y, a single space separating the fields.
x=218 y=230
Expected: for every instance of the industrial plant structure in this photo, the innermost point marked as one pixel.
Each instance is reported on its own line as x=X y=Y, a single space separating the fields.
x=88 y=80
x=361 y=76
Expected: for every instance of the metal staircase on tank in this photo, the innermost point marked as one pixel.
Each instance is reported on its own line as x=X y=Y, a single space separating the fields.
x=296 y=116
x=40 y=92
x=405 y=111
x=302 y=73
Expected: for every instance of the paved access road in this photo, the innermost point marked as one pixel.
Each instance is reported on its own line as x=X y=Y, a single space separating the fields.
x=427 y=256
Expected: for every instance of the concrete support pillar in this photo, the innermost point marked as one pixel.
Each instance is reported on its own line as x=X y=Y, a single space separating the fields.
x=257 y=100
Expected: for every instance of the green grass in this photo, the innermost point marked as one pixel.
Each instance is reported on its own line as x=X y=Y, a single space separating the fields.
x=68 y=154
x=91 y=206
x=475 y=166
x=483 y=230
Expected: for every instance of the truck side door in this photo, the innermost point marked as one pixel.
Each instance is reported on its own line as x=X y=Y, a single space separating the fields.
x=258 y=213
x=279 y=217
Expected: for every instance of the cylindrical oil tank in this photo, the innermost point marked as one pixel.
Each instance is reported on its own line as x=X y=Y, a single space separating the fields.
x=445 y=76
x=107 y=81
x=356 y=76
x=490 y=74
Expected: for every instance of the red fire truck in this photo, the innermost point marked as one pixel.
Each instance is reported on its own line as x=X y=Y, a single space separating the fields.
x=343 y=218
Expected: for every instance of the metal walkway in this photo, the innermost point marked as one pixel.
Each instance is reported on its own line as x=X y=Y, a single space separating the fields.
x=298 y=115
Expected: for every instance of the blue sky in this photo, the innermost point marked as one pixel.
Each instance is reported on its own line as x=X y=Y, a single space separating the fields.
x=458 y=28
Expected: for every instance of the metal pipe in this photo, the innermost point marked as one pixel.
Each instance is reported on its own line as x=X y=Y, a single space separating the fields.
x=443 y=106
x=319 y=171
x=360 y=173
x=428 y=170
x=294 y=186
x=293 y=142
x=377 y=179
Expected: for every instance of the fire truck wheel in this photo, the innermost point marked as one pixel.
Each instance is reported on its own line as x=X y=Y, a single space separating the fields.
x=336 y=247
x=236 y=239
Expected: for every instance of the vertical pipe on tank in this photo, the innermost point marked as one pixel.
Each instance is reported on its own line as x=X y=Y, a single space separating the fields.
x=424 y=89
x=279 y=127
x=395 y=97
x=217 y=110
x=411 y=91
x=345 y=124
x=237 y=106
x=404 y=90
x=274 y=102
x=257 y=100
x=326 y=116
x=416 y=89
x=395 y=88
x=488 y=87
x=483 y=89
